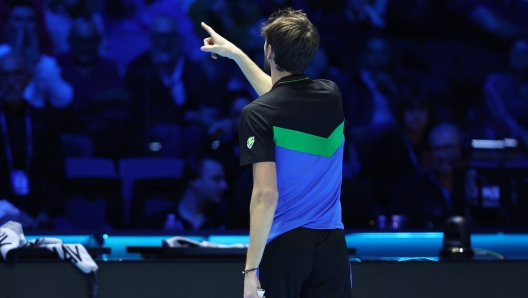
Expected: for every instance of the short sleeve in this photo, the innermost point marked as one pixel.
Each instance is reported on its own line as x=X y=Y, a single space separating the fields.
x=256 y=136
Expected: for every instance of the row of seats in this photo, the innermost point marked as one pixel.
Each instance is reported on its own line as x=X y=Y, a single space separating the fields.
x=99 y=190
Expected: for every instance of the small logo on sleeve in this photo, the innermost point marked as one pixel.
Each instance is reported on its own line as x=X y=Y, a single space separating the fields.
x=250 y=142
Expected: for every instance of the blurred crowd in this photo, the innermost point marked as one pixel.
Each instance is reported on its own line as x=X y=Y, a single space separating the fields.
x=120 y=79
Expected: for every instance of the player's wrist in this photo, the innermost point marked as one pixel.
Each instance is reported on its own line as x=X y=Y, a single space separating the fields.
x=252 y=274
x=237 y=54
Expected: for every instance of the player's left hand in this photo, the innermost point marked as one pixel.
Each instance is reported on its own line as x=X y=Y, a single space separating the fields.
x=251 y=284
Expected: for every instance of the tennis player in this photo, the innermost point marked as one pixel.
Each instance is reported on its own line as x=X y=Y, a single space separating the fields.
x=293 y=137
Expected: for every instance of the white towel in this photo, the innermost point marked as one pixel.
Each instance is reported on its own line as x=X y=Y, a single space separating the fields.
x=178 y=241
x=12 y=237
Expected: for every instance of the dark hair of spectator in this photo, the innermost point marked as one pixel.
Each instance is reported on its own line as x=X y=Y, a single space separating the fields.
x=193 y=167
x=294 y=39
x=417 y=97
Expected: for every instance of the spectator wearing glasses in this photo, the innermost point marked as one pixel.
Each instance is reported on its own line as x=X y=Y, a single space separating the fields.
x=101 y=108
x=425 y=199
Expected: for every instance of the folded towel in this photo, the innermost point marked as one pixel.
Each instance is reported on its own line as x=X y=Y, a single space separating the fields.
x=178 y=241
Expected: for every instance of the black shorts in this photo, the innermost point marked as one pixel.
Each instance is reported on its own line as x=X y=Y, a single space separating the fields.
x=307 y=263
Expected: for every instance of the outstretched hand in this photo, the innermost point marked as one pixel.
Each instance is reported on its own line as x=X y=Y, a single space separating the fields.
x=217 y=45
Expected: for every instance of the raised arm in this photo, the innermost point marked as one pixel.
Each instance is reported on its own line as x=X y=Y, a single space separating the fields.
x=217 y=45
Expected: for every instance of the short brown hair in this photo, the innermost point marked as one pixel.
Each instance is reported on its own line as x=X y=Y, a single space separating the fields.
x=294 y=39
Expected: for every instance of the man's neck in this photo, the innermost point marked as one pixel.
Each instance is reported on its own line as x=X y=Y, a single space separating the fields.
x=277 y=75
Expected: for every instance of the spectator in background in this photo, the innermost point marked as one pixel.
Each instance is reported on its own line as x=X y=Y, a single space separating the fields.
x=506 y=95
x=168 y=92
x=31 y=164
x=202 y=205
x=100 y=113
x=21 y=35
x=222 y=137
x=127 y=24
x=44 y=39
x=425 y=199
x=403 y=150
x=60 y=16
x=371 y=96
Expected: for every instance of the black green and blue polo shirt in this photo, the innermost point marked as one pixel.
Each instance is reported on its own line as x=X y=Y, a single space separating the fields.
x=298 y=125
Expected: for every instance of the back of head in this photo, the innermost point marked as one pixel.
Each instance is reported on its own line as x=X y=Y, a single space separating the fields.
x=294 y=39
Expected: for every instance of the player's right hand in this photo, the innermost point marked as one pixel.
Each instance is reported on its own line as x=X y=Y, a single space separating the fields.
x=217 y=45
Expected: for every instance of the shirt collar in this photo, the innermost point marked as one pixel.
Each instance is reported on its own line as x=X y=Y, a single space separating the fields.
x=292 y=79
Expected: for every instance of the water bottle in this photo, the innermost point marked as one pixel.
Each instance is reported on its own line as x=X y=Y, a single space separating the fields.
x=172 y=224
x=382 y=219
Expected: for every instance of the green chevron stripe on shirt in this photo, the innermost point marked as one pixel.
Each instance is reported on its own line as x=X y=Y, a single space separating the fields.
x=307 y=143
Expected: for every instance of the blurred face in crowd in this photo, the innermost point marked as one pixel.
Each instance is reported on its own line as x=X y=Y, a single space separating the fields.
x=21 y=17
x=14 y=77
x=445 y=148
x=84 y=43
x=377 y=54
x=210 y=186
x=164 y=40
x=236 y=109
x=519 y=57
x=415 y=118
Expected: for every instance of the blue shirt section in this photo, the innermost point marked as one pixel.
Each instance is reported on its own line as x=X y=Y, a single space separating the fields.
x=309 y=191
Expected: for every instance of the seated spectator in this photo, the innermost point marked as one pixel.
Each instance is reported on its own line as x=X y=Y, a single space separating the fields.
x=101 y=107
x=21 y=35
x=60 y=16
x=370 y=97
x=222 y=137
x=31 y=164
x=201 y=205
x=170 y=94
x=45 y=43
x=127 y=24
x=403 y=150
x=506 y=95
x=425 y=199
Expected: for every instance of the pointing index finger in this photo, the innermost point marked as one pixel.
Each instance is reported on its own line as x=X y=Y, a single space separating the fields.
x=208 y=29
